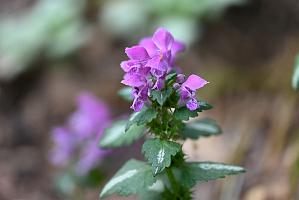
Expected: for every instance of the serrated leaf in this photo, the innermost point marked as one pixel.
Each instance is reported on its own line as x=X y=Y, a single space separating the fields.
x=161 y=96
x=134 y=177
x=206 y=171
x=158 y=153
x=203 y=105
x=143 y=117
x=125 y=93
x=201 y=128
x=116 y=136
x=184 y=113
x=295 y=79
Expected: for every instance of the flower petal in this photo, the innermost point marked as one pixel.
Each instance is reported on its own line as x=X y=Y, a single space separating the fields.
x=62 y=136
x=194 y=82
x=133 y=80
x=89 y=158
x=137 y=105
x=163 y=39
x=137 y=53
x=126 y=65
x=159 y=84
x=177 y=47
x=149 y=45
x=192 y=104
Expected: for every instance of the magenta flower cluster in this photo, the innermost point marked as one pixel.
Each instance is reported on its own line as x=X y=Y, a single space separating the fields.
x=150 y=62
x=75 y=143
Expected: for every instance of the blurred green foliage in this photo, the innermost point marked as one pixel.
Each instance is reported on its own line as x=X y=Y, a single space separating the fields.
x=52 y=27
x=131 y=18
x=70 y=185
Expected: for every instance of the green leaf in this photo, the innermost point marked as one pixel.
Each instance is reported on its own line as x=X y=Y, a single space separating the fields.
x=116 y=136
x=125 y=93
x=203 y=105
x=158 y=153
x=201 y=128
x=150 y=195
x=134 y=177
x=153 y=192
x=206 y=171
x=295 y=80
x=93 y=179
x=184 y=113
x=143 y=117
x=161 y=96
x=171 y=76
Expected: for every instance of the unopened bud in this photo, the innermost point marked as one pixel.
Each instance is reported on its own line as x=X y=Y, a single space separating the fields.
x=176 y=86
x=180 y=78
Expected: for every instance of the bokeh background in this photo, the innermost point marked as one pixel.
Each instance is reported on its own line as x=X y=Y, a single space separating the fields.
x=50 y=50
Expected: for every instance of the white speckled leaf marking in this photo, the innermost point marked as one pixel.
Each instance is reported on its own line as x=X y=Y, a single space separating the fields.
x=161 y=155
x=211 y=166
x=118 y=179
x=158 y=186
x=160 y=158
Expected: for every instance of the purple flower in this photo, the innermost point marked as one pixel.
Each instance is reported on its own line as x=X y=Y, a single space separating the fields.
x=148 y=64
x=188 y=89
x=90 y=156
x=64 y=147
x=87 y=121
x=135 y=68
x=162 y=49
x=140 y=97
x=162 y=44
x=76 y=142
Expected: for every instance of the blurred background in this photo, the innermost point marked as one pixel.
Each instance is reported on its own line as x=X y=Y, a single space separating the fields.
x=51 y=50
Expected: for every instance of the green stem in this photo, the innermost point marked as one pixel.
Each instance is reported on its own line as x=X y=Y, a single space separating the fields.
x=173 y=182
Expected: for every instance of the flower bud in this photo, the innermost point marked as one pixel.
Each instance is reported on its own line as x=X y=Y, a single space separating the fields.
x=176 y=86
x=180 y=78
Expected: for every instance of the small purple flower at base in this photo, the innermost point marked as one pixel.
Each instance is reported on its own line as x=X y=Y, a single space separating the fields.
x=188 y=89
x=76 y=142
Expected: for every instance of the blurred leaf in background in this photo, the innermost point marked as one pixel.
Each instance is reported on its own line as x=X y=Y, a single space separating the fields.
x=295 y=80
x=182 y=17
x=124 y=17
x=52 y=27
